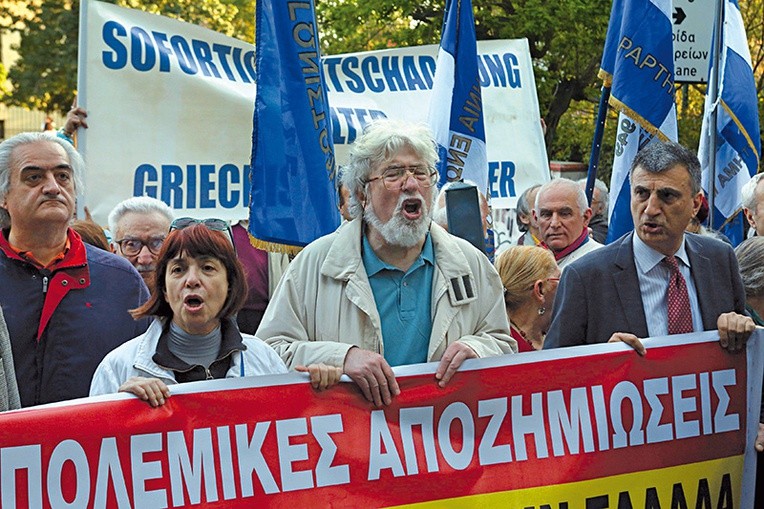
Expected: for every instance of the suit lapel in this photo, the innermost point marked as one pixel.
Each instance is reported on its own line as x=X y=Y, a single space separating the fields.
x=700 y=265
x=627 y=289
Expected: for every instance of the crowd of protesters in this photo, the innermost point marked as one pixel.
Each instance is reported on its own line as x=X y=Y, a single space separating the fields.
x=172 y=302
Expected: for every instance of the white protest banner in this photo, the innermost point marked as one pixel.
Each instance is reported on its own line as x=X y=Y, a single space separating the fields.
x=170 y=109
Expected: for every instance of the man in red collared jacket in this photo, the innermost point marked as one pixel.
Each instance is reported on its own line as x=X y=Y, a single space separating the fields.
x=65 y=302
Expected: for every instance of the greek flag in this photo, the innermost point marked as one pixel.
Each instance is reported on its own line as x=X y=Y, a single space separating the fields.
x=293 y=199
x=456 y=106
x=738 y=147
x=638 y=65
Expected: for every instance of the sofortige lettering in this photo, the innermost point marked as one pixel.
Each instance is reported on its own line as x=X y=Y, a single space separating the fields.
x=144 y=51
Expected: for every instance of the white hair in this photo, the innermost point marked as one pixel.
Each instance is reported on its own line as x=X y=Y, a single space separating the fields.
x=139 y=205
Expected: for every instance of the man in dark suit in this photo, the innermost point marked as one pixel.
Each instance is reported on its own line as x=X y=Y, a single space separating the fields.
x=607 y=295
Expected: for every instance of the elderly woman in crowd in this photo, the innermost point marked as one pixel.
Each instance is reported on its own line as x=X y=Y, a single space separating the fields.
x=530 y=276
x=200 y=285
x=525 y=223
x=750 y=257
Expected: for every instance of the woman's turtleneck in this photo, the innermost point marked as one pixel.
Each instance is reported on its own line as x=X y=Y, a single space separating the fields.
x=195 y=349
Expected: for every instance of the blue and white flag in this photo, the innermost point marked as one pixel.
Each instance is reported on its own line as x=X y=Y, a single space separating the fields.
x=456 y=104
x=738 y=146
x=293 y=199
x=638 y=65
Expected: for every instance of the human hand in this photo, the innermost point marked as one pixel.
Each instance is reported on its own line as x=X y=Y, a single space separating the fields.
x=322 y=376
x=373 y=375
x=455 y=354
x=630 y=339
x=734 y=330
x=152 y=390
x=75 y=119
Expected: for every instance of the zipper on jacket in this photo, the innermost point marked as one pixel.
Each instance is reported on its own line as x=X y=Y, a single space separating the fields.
x=45 y=284
x=209 y=375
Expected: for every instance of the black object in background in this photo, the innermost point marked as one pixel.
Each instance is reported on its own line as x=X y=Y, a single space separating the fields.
x=463 y=211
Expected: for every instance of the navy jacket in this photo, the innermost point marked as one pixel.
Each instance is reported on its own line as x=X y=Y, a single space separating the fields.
x=87 y=324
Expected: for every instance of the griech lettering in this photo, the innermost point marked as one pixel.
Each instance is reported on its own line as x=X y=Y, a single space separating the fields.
x=386 y=73
x=203 y=186
x=304 y=35
x=144 y=51
x=193 y=464
x=584 y=420
x=634 y=53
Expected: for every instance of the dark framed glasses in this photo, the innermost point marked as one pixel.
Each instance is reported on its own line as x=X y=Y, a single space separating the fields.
x=131 y=246
x=219 y=225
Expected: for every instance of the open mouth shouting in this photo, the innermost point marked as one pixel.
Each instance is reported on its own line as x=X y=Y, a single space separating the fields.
x=412 y=208
x=193 y=303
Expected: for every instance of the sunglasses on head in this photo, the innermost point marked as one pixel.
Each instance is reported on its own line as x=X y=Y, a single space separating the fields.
x=219 y=225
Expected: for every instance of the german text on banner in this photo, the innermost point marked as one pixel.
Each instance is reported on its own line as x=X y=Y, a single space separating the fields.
x=293 y=199
x=170 y=108
x=738 y=144
x=593 y=426
x=456 y=103
x=638 y=65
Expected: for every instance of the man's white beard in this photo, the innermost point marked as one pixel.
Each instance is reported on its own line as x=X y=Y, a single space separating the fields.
x=399 y=231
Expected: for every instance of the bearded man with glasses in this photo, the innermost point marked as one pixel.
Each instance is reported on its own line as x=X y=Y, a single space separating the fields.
x=390 y=287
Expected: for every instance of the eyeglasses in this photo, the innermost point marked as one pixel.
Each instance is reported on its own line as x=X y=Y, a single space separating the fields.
x=394 y=177
x=132 y=246
x=219 y=225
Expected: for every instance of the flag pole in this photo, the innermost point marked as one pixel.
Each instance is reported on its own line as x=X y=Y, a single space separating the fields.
x=599 y=131
x=713 y=90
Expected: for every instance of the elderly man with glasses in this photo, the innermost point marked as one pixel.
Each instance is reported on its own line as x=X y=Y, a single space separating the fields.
x=139 y=226
x=390 y=287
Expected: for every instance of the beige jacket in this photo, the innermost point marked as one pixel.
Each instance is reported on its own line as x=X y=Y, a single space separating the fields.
x=324 y=304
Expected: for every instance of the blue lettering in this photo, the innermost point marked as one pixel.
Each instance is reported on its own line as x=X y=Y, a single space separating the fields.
x=140 y=41
x=338 y=138
x=116 y=59
x=348 y=114
x=496 y=70
x=204 y=57
x=191 y=186
x=164 y=51
x=223 y=52
x=330 y=66
x=427 y=64
x=239 y=67
x=145 y=180
x=355 y=83
x=206 y=186
x=172 y=178
x=413 y=78
x=510 y=61
x=249 y=64
x=229 y=173
x=183 y=54
x=501 y=179
x=392 y=73
x=368 y=65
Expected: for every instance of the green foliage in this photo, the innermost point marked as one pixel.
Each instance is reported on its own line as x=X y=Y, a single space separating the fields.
x=45 y=76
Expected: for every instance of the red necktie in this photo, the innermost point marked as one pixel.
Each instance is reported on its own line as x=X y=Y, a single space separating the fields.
x=679 y=313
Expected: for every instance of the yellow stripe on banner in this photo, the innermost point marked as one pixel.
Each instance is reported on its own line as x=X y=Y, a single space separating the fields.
x=717 y=482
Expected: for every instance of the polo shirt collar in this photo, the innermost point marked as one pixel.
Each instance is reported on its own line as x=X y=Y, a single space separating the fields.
x=374 y=265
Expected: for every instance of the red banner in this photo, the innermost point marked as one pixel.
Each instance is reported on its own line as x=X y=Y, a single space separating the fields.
x=590 y=427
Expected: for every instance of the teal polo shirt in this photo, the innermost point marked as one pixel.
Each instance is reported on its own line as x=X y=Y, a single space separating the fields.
x=403 y=302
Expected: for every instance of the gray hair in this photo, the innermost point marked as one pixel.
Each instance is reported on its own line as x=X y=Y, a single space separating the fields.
x=602 y=187
x=381 y=141
x=567 y=185
x=440 y=211
x=748 y=193
x=750 y=257
x=139 y=205
x=524 y=207
x=6 y=153
x=658 y=157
